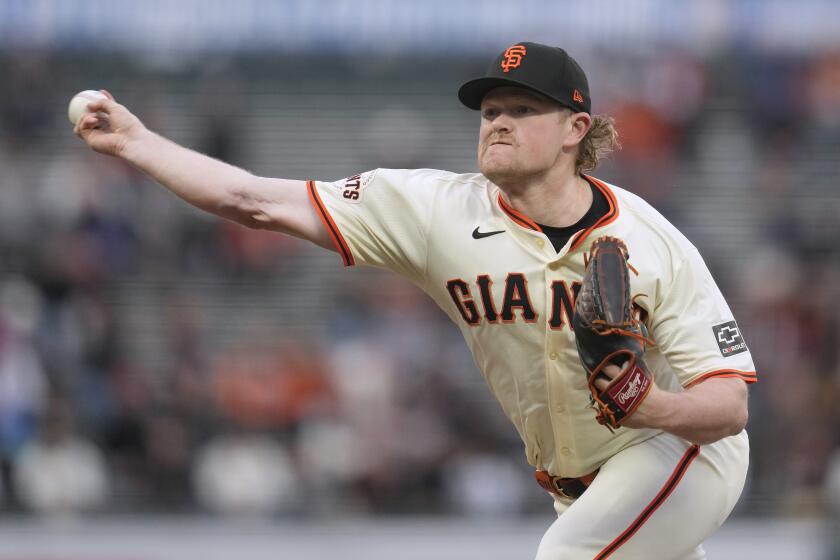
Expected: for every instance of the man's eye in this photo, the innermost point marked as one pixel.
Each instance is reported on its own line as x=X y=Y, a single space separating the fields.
x=490 y=113
x=523 y=110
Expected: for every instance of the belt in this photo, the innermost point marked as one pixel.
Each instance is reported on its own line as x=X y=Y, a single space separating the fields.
x=571 y=488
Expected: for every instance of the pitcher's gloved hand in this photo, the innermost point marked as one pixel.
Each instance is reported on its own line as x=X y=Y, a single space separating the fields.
x=608 y=332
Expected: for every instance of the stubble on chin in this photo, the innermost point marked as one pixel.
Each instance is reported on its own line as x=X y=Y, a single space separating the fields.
x=500 y=177
x=498 y=171
x=501 y=173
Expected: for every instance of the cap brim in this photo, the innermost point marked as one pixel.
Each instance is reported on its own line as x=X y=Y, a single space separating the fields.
x=472 y=93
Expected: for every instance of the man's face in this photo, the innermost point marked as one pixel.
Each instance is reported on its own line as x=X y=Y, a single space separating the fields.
x=523 y=134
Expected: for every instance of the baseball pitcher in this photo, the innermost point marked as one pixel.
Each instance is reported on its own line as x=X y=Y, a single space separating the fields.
x=595 y=323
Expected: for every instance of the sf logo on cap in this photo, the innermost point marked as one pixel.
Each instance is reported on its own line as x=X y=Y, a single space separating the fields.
x=513 y=57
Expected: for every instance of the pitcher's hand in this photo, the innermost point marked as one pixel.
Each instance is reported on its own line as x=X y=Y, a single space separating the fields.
x=109 y=127
x=651 y=411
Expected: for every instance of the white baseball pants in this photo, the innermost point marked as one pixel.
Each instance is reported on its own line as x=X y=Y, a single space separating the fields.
x=657 y=500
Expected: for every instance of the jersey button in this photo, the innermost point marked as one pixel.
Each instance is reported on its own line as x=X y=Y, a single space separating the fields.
x=553 y=355
x=554 y=266
x=540 y=243
x=566 y=451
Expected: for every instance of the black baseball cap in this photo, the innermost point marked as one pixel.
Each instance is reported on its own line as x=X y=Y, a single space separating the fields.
x=541 y=68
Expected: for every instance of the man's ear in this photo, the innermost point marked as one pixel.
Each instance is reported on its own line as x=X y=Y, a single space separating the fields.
x=580 y=124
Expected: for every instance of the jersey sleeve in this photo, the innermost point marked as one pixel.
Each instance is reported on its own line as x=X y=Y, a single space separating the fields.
x=379 y=218
x=695 y=330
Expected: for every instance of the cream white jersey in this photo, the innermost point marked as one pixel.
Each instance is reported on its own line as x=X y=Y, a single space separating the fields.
x=511 y=293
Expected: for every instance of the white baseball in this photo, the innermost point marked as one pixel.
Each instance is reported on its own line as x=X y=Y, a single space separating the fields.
x=78 y=105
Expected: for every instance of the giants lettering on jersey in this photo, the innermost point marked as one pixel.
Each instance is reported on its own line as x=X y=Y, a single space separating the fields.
x=515 y=303
x=353 y=186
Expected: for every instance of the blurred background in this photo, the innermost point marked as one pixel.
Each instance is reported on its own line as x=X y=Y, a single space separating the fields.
x=172 y=384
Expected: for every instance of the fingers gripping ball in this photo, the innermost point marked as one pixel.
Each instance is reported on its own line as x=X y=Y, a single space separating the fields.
x=78 y=105
x=608 y=332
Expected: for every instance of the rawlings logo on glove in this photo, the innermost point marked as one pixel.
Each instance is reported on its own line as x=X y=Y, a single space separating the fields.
x=608 y=332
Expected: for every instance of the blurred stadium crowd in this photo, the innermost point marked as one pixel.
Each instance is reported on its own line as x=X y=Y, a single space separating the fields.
x=156 y=359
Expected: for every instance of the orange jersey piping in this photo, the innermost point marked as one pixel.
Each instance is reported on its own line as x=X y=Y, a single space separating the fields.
x=660 y=498
x=335 y=234
x=746 y=376
x=517 y=217
x=607 y=218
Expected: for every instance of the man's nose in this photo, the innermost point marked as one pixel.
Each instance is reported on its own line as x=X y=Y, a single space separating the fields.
x=502 y=123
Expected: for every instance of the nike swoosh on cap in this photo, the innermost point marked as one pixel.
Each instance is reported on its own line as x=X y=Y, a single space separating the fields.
x=482 y=234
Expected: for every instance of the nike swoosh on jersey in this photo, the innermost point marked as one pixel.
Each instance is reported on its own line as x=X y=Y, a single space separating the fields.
x=482 y=234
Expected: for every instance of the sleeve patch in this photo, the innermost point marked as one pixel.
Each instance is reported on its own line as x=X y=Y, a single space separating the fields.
x=353 y=186
x=728 y=337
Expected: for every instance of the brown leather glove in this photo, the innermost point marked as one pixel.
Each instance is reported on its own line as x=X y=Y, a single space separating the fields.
x=608 y=331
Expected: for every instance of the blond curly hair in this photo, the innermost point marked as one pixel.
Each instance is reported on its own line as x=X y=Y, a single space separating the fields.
x=600 y=141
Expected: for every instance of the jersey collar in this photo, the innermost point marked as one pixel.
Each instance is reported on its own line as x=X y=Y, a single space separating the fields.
x=524 y=221
x=607 y=218
x=516 y=216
